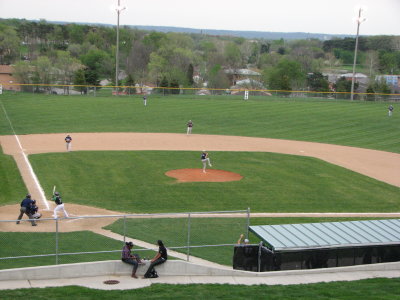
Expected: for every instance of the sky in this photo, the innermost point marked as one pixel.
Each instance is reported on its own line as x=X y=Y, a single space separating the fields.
x=313 y=16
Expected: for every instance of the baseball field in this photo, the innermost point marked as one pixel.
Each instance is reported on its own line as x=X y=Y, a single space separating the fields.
x=294 y=156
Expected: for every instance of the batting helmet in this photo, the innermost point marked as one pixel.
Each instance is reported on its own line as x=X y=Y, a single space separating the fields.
x=56 y=193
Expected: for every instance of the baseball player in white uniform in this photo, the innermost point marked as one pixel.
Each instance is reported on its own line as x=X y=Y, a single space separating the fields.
x=205 y=160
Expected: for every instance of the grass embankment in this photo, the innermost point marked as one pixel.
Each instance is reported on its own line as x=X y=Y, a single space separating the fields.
x=134 y=182
x=369 y=289
x=360 y=124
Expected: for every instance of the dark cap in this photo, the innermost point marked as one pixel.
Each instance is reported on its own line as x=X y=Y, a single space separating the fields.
x=28 y=195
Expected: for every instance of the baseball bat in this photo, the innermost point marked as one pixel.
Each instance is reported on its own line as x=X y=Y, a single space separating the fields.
x=54 y=190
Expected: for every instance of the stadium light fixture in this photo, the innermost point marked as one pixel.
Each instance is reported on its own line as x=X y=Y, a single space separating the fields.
x=359 y=19
x=118 y=9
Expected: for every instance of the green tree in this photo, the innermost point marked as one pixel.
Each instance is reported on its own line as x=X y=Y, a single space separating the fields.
x=44 y=71
x=80 y=81
x=344 y=85
x=23 y=72
x=9 y=45
x=318 y=82
x=130 y=82
x=286 y=75
x=233 y=55
x=189 y=75
x=217 y=78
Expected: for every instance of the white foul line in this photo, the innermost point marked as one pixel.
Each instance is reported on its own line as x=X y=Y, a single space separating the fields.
x=35 y=179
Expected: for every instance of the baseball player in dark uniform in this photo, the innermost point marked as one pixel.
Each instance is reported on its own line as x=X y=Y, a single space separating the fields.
x=59 y=205
x=68 y=142
x=205 y=159
x=34 y=210
x=189 y=127
x=26 y=205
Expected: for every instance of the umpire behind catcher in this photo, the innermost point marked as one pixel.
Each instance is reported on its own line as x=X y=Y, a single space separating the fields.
x=26 y=206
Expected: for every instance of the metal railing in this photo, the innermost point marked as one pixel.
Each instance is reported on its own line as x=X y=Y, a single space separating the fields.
x=92 y=90
x=65 y=240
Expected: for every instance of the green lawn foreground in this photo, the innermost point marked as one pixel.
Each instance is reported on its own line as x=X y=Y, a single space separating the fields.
x=360 y=124
x=134 y=182
x=368 y=289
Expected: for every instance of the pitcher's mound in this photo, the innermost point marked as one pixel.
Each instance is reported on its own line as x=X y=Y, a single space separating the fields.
x=195 y=175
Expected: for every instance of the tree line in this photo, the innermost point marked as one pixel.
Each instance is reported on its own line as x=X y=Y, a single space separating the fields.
x=55 y=53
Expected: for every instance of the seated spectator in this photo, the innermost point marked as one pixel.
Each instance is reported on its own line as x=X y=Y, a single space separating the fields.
x=160 y=258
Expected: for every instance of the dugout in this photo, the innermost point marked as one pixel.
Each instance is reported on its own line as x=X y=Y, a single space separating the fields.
x=320 y=245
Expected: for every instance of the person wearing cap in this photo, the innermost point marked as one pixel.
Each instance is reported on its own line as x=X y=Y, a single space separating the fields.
x=68 y=142
x=205 y=159
x=242 y=241
x=128 y=258
x=189 y=127
x=59 y=205
x=34 y=210
x=26 y=205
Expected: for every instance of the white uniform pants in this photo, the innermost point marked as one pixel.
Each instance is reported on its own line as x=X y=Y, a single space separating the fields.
x=189 y=130
x=60 y=207
x=69 y=146
x=205 y=161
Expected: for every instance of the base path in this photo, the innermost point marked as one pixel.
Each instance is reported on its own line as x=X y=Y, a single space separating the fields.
x=381 y=165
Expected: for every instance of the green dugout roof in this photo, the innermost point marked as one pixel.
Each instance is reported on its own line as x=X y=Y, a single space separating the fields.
x=329 y=234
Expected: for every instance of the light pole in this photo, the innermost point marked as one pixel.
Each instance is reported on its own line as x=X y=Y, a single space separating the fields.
x=359 y=20
x=118 y=9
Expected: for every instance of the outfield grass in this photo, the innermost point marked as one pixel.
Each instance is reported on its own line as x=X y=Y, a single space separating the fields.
x=134 y=182
x=361 y=124
x=369 y=289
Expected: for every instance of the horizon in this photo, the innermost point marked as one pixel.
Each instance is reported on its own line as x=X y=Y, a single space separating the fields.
x=304 y=16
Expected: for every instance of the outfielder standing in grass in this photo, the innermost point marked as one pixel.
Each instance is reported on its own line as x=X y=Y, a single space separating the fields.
x=205 y=159
x=390 y=108
x=68 y=142
x=59 y=205
x=189 y=127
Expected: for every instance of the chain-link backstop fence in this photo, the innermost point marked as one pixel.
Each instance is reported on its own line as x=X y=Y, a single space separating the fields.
x=207 y=235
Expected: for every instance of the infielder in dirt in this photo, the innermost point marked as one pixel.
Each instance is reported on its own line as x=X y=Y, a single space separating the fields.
x=205 y=160
x=59 y=205
x=68 y=142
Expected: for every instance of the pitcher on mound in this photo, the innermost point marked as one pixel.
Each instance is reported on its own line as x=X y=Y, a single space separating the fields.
x=205 y=160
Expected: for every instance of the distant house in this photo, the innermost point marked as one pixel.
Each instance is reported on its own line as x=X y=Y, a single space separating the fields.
x=7 y=80
x=391 y=80
x=358 y=77
x=235 y=75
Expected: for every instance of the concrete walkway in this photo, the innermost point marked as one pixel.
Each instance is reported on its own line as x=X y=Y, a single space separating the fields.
x=77 y=274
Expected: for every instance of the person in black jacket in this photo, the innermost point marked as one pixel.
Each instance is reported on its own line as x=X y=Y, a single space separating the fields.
x=160 y=258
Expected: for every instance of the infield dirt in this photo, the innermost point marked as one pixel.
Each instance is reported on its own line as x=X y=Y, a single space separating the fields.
x=383 y=166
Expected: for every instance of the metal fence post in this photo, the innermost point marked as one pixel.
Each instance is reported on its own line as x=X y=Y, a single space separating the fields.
x=188 y=239
x=124 y=228
x=248 y=223
x=56 y=241
x=259 y=258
